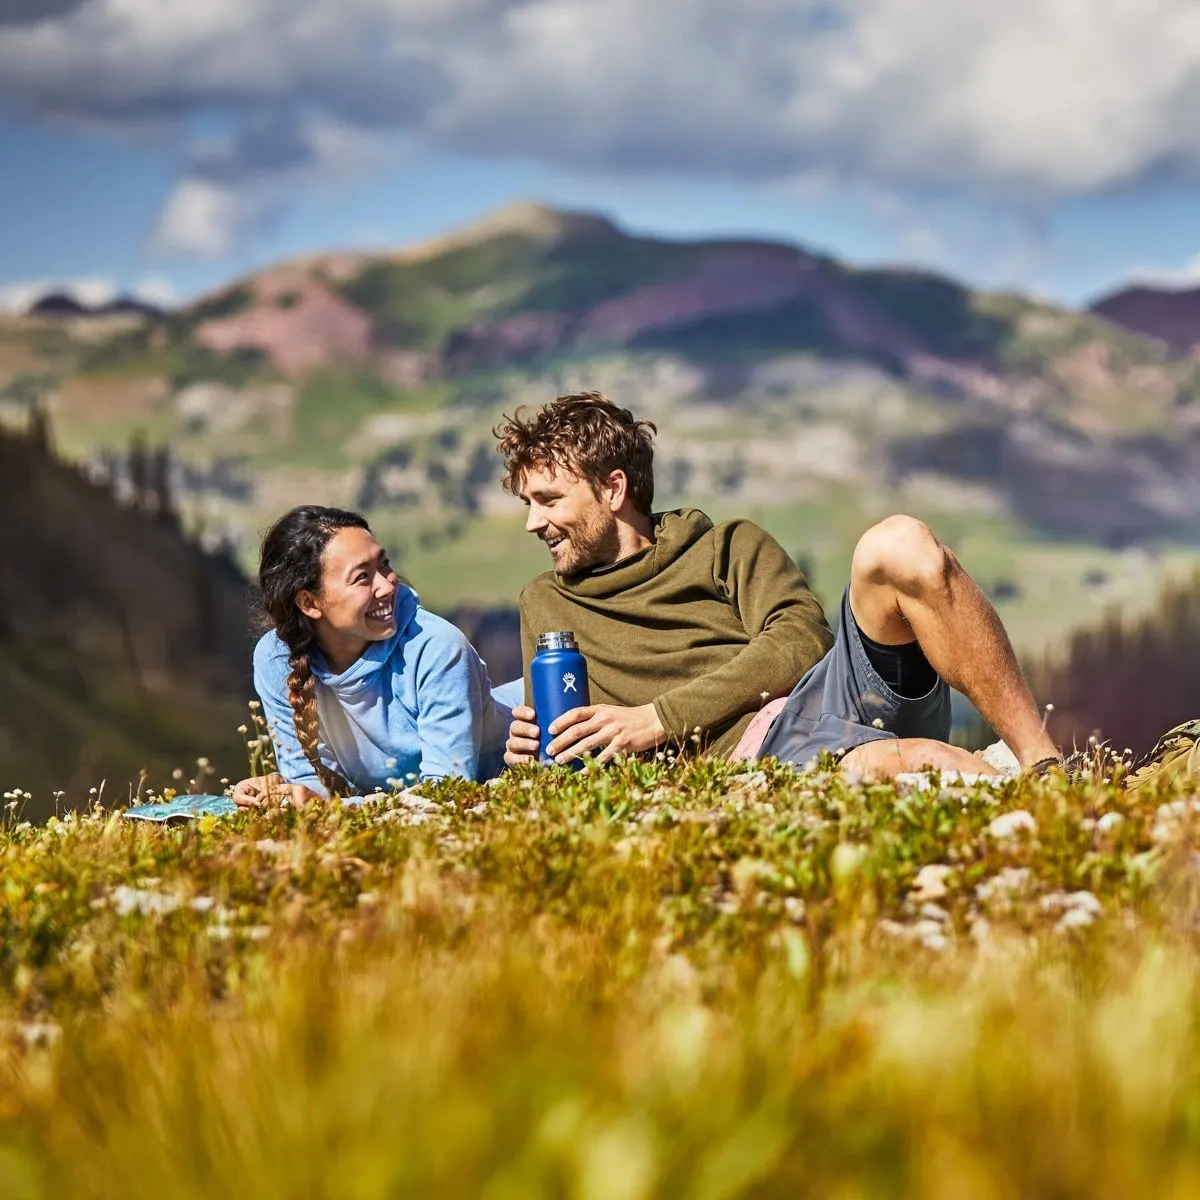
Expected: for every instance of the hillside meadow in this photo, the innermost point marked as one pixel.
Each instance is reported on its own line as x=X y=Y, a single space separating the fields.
x=657 y=979
x=1054 y=448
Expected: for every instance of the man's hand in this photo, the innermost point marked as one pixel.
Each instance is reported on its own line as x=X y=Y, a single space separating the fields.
x=603 y=730
x=523 y=735
x=266 y=791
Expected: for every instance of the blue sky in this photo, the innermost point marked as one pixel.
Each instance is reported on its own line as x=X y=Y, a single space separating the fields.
x=151 y=144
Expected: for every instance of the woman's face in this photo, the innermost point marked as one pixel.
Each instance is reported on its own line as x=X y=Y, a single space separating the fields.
x=357 y=599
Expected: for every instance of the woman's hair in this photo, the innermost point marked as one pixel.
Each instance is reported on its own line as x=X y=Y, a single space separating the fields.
x=590 y=436
x=290 y=562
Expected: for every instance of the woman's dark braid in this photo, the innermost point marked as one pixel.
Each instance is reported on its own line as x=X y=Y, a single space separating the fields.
x=302 y=692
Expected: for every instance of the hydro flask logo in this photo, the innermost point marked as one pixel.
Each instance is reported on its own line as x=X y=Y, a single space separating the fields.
x=569 y=683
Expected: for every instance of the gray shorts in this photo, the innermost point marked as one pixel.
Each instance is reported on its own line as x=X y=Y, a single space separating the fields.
x=832 y=708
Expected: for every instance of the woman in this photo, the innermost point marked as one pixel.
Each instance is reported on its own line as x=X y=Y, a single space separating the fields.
x=359 y=684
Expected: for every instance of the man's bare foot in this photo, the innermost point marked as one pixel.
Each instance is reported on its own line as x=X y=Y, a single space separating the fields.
x=882 y=760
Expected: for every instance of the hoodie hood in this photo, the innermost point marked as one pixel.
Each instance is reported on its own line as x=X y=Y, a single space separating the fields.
x=361 y=675
x=675 y=533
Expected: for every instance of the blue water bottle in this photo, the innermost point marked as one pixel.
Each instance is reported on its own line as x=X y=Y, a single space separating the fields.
x=558 y=677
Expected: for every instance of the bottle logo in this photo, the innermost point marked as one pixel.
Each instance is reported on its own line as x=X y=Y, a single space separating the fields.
x=569 y=683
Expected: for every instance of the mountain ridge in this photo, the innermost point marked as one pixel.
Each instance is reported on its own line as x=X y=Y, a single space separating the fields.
x=783 y=381
x=1171 y=315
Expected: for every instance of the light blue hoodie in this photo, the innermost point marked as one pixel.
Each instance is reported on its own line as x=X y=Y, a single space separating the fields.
x=417 y=705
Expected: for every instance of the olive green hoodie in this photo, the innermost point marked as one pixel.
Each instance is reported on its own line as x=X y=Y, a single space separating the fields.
x=705 y=624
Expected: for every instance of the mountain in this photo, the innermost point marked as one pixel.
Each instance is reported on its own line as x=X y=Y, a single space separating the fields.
x=123 y=644
x=58 y=304
x=1172 y=315
x=1056 y=450
x=65 y=306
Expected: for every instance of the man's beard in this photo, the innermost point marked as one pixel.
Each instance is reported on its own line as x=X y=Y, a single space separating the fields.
x=593 y=542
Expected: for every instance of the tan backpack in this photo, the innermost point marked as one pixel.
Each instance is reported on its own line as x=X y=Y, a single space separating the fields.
x=1176 y=756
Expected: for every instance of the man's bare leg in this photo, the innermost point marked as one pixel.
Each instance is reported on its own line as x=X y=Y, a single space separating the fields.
x=904 y=586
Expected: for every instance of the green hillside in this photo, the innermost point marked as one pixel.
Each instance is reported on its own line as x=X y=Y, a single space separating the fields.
x=813 y=395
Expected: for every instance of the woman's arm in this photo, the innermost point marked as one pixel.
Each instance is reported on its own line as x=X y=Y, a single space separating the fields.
x=454 y=698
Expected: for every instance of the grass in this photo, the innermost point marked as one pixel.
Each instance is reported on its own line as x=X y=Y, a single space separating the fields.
x=662 y=979
x=332 y=405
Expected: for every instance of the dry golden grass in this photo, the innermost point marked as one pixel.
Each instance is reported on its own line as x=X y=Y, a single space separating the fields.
x=656 y=980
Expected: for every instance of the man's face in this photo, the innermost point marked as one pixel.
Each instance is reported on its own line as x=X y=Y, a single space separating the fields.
x=577 y=525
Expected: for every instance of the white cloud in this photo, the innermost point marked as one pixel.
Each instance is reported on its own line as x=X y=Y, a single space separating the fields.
x=242 y=182
x=1185 y=276
x=1027 y=100
x=157 y=290
x=205 y=220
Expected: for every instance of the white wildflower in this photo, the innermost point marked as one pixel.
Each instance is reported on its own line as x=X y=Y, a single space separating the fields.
x=128 y=900
x=1074 y=918
x=931 y=935
x=1172 y=819
x=1009 y=824
x=1003 y=885
x=930 y=883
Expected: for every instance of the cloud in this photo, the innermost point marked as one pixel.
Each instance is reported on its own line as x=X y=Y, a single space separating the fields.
x=1026 y=101
x=241 y=183
x=30 y=12
x=158 y=290
x=202 y=219
x=1183 y=277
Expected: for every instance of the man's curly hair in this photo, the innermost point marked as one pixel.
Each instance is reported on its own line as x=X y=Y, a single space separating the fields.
x=586 y=434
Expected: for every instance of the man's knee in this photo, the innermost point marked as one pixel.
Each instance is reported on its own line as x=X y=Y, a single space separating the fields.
x=903 y=552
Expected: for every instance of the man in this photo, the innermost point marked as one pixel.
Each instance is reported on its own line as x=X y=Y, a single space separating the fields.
x=690 y=627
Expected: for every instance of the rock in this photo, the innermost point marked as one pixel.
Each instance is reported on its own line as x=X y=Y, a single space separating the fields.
x=998 y=755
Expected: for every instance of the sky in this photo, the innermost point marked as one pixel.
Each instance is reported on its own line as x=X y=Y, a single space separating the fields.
x=164 y=147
